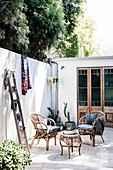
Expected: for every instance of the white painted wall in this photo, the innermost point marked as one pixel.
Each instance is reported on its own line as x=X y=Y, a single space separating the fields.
x=67 y=87
x=35 y=101
x=39 y=97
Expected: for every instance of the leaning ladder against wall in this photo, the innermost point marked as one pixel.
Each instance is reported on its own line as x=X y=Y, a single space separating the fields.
x=21 y=132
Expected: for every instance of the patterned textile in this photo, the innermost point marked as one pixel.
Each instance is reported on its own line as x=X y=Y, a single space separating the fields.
x=5 y=79
x=28 y=78
x=26 y=85
x=23 y=76
x=86 y=126
x=99 y=125
x=90 y=118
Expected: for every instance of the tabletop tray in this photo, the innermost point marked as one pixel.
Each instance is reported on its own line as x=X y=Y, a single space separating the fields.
x=70 y=133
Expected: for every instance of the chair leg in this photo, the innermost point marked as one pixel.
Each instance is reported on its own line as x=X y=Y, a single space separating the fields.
x=91 y=137
x=79 y=149
x=55 y=140
x=61 y=150
x=102 y=138
x=69 y=151
x=93 y=140
x=32 y=141
x=38 y=141
x=47 y=144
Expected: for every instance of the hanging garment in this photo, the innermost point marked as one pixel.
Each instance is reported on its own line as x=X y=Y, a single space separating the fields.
x=5 y=79
x=24 y=90
x=26 y=85
x=28 y=77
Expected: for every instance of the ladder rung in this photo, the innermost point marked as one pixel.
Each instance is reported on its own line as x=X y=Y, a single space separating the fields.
x=14 y=104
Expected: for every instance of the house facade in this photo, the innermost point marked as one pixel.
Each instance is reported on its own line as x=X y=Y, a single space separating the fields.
x=86 y=84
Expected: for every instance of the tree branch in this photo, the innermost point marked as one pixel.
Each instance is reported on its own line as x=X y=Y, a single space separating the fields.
x=4 y=3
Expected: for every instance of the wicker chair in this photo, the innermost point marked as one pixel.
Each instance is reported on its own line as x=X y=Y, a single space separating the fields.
x=89 y=129
x=43 y=130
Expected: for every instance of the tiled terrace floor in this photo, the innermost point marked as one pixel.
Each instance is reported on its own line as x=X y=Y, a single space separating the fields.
x=99 y=157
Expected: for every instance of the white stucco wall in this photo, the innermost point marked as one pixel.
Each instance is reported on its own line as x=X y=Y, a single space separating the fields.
x=35 y=101
x=67 y=86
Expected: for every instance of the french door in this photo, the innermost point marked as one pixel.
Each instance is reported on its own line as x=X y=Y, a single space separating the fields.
x=95 y=91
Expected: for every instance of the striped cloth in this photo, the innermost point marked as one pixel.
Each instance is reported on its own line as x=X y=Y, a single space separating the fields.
x=26 y=85
x=28 y=78
x=5 y=79
x=24 y=90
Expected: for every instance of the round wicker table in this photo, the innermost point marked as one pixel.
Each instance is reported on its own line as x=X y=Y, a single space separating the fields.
x=70 y=141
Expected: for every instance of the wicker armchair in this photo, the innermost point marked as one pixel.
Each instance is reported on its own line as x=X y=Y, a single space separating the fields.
x=92 y=129
x=43 y=130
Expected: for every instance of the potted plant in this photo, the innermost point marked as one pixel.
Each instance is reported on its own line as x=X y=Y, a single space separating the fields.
x=60 y=124
x=69 y=124
x=53 y=115
x=13 y=156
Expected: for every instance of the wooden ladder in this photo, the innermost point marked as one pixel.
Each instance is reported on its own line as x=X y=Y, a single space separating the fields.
x=14 y=104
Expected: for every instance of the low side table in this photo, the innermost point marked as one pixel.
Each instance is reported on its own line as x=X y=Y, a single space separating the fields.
x=70 y=141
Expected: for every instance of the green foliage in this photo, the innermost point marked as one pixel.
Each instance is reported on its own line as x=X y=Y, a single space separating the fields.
x=32 y=26
x=88 y=45
x=13 y=156
x=14 y=28
x=67 y=115
x=70 y=47
x=82 y=42
x=46 y=25
x=72 y=9
x=53 y=115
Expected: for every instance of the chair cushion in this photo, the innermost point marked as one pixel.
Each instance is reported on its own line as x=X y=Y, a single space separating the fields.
x=90 y=118
x=50 y=128
x=85 y=126
x=53 y=128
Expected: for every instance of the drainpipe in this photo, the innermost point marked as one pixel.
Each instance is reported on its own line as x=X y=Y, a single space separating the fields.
x=54 y=66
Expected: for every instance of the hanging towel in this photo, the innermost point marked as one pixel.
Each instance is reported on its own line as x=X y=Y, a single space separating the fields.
x=26 y=85
x=28 y=77
x=24 y=90
x=5 y=79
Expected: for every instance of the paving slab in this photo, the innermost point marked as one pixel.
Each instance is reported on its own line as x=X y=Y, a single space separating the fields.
x=99 y=157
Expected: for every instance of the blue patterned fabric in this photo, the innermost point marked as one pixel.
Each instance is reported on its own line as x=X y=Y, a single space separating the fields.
x=85 y=126
x=52 y=128
x=90 y=118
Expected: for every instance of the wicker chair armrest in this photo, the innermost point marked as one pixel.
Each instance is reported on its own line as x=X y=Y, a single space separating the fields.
x=43 y=127
x=45 y=119
x=82 y=120
x=98 y=112
x=35 y=121
x=51 y=120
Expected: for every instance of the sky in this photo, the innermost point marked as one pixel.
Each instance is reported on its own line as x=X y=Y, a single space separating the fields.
x=102 y=12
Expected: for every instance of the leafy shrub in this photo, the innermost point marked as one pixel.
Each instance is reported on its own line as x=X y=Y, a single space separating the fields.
x=53 y=115
x=13 y=156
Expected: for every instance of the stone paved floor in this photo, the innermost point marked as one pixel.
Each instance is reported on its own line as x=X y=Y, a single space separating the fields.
x=99 y=157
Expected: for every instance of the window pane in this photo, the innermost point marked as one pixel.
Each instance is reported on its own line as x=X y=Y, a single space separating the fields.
x=95 y=97
x=95 y=87
x=108 y=87
x=82 y=78
x=83 y=94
